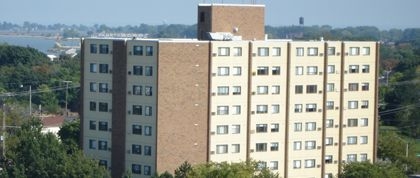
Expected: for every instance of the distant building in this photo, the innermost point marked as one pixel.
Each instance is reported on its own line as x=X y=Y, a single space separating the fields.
x=52 y=124
x=302 y=108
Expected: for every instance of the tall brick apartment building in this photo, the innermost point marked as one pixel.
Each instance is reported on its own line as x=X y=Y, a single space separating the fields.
x=302 y=108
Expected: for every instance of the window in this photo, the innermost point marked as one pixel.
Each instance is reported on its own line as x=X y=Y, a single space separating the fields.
x=328 y=159
x=103 y=49
x=298 y=107
x=149 y=50
x=310 y=126
x=353 y=86
x=236 y=90
x=351 y=157
x=354 y=51
x=298 y=89
x=261 y=128
x=275 y=70
x=202 y=16
x=137 y=110
x=353 y=104
x=138 y=50
x=261 y=147
x=103 y=126
x=137 y=70
x=235 y=129
x=137 y=90
x=330 y=87
x=136 y=149
x=222 y=110
x=312 y=51
x=93 y=48
x=363 y=157
x=103 y=107
x=221 y=149
x=365 y=51
x=311 y=107
x=92 y=106
x=236 y=71
x=275 y=108
x=222 y=129
x=351 y=140
x=365 y=68
x=236 y=148
x=365 y=86
x=148 y=130
x=312 y=70
x=223 y=90
x=223 y=51
x=136 y=168
x=148 y=111
x=331 y=51
x=274 y=127
x=262 y=109
x=92 y=144
x=148 y=71
x=330 y=69
x=276 y=51
x=262 y=70
x=310 y=145
x=263 y=51
x=261 y=165
x=148 y=90
x=103 y=87
x=93 y=67
x=299 y=70
x=223 y=71
x=296 y=164
x=102 y=145
x=354 y=69
x=329 y=141
x=236 y=109
x=364 y=104
x=103 y=163
x=147 y=170
x=274 y=146
x=330 y=105
x=93 y=87
x=352 y=122
x=237 y=51
x=103 y=68
x=275 y=89
x=300 y=51
x=92 y=125
x=329 y=123
x=274 y=165
x=147 y=150
x=262 y=90
x=363 y=139
x=364 y=122
x=137 y=129
x=311 y=89
x=297 y=145
x=298 y=127
x=310 y=163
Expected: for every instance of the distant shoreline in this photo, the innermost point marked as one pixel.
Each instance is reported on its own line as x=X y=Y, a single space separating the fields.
x=27 y=36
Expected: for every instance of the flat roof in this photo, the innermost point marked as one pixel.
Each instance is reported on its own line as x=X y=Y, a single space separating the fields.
x=233 y=5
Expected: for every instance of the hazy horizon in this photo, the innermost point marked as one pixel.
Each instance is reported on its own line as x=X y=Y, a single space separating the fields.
x=386 y=14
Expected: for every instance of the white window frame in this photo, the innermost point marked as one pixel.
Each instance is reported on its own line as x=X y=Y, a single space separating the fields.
x=309 y=163
x=236 y=71
x=276 y=51
x=297 y=145
x=363 y=139
x=330 y=87
x=297 y=126
x=353 y=104
x=300 y=51
x=223 y=90
x=223 y=71
x=262 y=109
x=237 y=51
x=331 y=69
x=223 y=51
x=310 y=126
x=351 y=140
x=235 y=129
x=236 y=90
x=222 y=149
x=262 y=90
x=354 y=51
x=310 y=145
x=312 y=70
x=235 y=148
x=297 y=164
x=275 y=108
x=329 y=141
x=275 y=89
x=222 y=129
x=364 y=122
x=329 y=123
x=236 y=109
x=312 y=51
x=299 y=70
x=222 y=110
x=365 y=51
x=263 y=51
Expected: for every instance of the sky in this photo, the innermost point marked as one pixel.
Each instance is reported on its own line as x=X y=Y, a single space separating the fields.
x=384 y=14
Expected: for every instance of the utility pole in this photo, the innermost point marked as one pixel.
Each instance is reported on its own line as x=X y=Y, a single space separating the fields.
x=67 y=92
x=4 y=131
x=30 y=100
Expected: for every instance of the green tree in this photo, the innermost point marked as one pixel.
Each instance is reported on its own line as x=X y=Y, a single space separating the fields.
x=367 y=169
x=69 y=134
x=183 y=170
x=47 y=98
x=34 y=154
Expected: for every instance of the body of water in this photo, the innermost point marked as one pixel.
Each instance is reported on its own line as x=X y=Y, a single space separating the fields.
x=40 y=43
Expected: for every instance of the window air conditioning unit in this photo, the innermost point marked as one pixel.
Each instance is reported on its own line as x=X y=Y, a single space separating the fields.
x=321 y=54
x=213 y=113
x=110 y=71
x=212 y=152
x=130 y=53
x=214 y=54
x=212 y=133
x=338 y=54
x=319 y=110
x=129 y=72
